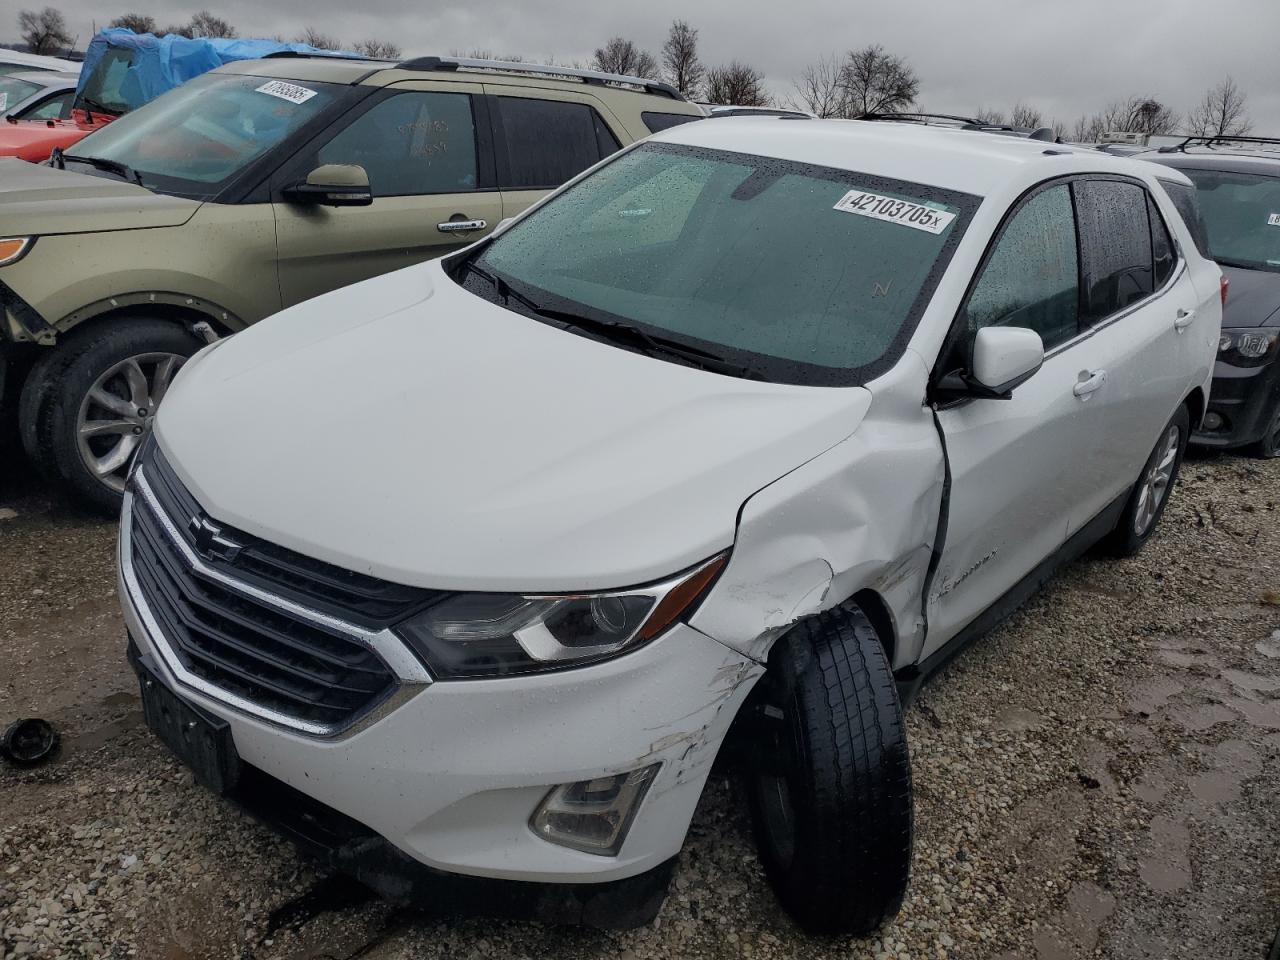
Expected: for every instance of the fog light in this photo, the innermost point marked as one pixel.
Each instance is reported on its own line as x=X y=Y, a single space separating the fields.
x=1212 y=421
x=593 y=815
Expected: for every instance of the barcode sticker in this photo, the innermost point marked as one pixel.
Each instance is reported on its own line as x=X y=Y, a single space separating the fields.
x=1273 y=220
x=286 y=91
x=908 y=213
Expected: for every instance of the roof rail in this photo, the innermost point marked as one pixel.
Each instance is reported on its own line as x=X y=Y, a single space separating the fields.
x=923 y=118
x=1209 y=141
x=318 y=54
x=513 y=66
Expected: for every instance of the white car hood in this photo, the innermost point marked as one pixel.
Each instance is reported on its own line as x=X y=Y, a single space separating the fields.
x=407 y=429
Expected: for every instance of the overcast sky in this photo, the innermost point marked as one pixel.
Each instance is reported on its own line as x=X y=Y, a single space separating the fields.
x=1065 y=57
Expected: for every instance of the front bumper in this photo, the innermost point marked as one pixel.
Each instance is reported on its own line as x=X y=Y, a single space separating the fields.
x=450 y=773
x=1245 y=398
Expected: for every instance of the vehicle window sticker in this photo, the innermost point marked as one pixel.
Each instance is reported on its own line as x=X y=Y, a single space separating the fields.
x=286 y=91
x=1273 y=220
x=916 y=214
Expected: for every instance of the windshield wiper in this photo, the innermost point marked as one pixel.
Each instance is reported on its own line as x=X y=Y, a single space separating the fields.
x=90 y=103
x=619 y=332
x=122 y=170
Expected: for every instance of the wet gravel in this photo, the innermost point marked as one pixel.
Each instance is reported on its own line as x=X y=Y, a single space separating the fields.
x=1098 y=777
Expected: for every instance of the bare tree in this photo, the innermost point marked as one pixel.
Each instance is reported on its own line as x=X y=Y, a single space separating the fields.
x=137 y=22
x=377 y=49
x=819 y=89
x=737 y=84
x=1025 y=115
x=685 y=71
x=484 y=53
x=322 y=41
x=620 y=55
x=1087 y=129
x=1144 y=115
x=44 y=31
x=875 y=81
x=1059 y=130
x=988 y=115
x=205 y=24
x=1221 y=113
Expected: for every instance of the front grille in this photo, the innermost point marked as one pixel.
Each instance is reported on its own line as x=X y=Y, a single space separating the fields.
x=293 y=666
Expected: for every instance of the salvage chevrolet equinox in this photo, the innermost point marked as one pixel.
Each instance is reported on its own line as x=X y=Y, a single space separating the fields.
x=727 y=444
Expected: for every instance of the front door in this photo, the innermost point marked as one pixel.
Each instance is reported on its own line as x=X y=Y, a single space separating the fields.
x=1015 y=464
x=425 y=147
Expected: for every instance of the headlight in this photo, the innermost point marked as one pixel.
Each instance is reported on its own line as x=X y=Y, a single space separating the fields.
x=1248 y=348
x=498 y=634
x=13 y=249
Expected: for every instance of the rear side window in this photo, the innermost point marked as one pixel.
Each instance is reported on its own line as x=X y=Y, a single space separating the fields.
x=664 y=121
x=1115 y=246
x=1162 y=250
x=1188 y=206
x=549 y=142
x=1031 y=278
x=51 y=109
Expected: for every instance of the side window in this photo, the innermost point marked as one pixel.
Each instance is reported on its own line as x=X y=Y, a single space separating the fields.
x=1187 y=203
x=411 y=144
x=1115 y=246
x=1031 y=278
x=50 y=109
x=1162 y=248
x=549 y=141
x=664 y=121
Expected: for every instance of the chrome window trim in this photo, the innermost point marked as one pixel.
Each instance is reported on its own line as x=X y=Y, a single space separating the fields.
x=411 y=677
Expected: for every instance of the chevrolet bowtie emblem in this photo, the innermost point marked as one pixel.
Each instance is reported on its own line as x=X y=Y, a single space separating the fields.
x=210 y=542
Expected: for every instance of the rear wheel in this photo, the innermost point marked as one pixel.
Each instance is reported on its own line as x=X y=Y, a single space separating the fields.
x=102 y=406
x=1150 y=494
x=831 y=796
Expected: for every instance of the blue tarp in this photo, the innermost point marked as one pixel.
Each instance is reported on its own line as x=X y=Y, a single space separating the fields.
x=159 y=64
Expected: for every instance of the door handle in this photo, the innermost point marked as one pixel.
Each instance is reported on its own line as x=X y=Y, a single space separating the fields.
x=1184 y=319
x=1090 y=380
x=461 y=226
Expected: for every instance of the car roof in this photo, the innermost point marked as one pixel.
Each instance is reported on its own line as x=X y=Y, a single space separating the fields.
x=328 y=69
x=1264 y=162
x=37 y=61
x=970 y=161
x=47 y=78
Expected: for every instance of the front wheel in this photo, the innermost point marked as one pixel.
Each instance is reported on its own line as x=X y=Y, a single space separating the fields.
x=1150 y=495
x=831 y=797
x=103 y=404
x=1269 y=446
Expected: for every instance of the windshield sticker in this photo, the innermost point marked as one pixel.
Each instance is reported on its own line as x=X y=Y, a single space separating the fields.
x=4 y=102
x=1273 y=220
x=286 y=91
x=908 y=213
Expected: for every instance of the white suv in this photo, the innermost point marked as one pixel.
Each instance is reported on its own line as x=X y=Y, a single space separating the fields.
x=734 y=437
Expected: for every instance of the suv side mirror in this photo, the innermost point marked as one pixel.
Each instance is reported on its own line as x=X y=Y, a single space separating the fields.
x=333 y=185
x=1002 y=358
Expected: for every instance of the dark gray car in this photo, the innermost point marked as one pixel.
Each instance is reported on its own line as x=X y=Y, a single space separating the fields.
x=1238 y=192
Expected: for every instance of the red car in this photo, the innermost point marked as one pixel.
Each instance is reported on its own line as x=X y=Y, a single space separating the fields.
x=34 y=140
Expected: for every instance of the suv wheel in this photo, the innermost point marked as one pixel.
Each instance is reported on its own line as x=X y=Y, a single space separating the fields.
x=100 y=409
x=831 y=803
x=1151 y=493
x=1269 y=445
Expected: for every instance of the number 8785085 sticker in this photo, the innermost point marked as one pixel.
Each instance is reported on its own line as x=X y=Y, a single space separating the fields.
x=908 y=213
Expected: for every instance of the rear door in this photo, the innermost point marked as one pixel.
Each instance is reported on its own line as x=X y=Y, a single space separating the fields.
x=543 y=138
x=427 y=150
x=1017 y=466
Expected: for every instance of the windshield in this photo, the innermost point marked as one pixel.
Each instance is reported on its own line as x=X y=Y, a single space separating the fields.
x=1242 y=216
x=806 y=274
x=13 y=91
x=192 y=140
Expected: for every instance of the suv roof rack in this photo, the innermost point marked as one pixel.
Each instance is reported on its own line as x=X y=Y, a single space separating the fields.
x=966 y=123
x=1209 y=142
x=512 y=66
x=326 y=55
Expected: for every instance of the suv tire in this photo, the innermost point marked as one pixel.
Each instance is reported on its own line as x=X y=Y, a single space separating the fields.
x=1155 y=484
x=1269 y=446
x=132 y=360
x=35 y=406
x=831 y=803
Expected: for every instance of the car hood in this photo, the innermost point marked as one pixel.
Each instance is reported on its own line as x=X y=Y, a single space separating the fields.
x=40 y=200
x=1253 y=298
x=407 y=429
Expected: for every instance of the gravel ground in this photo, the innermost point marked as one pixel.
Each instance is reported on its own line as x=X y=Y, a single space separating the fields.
x=1099 y=777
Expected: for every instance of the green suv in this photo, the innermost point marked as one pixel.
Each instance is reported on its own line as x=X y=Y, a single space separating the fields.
x=252 y=188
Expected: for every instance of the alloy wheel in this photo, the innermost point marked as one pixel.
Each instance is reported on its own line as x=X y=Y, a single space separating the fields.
x=116 y=414
x=1156 y=480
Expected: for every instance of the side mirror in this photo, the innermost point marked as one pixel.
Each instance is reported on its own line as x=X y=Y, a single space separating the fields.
x=1002 y=359
x=333 y=185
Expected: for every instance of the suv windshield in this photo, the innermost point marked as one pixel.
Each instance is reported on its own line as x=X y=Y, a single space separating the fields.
x=193 y=140
x=1242 y=216
x=803 y=274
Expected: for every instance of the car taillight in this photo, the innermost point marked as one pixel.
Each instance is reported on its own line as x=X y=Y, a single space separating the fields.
x=1225 y=285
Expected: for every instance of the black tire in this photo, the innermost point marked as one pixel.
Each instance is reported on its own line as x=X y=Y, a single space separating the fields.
x=89 y=357
x=1129 y=535
x=831 y=800
x=1269 y=446
x=35 y=409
